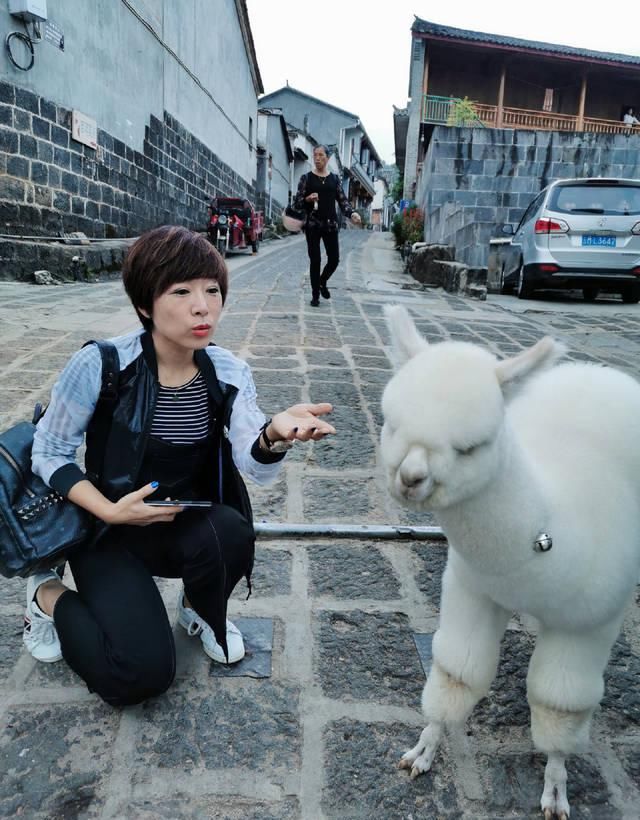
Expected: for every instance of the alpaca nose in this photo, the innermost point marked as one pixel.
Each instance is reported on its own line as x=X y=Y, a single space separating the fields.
x=414 y=469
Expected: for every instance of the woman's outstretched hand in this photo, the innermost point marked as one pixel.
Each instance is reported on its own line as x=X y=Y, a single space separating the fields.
x=301 y=423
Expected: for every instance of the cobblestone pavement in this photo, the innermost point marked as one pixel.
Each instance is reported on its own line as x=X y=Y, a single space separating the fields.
x=319 y=737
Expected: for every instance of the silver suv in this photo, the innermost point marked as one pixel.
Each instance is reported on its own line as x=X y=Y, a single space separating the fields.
x=579 y=233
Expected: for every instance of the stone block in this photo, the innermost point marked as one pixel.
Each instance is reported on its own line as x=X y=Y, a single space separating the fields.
x=395 y=678
x=351 y=570
x=421 y=263
x=27 y=100
x=363 y=780
x=8 y=141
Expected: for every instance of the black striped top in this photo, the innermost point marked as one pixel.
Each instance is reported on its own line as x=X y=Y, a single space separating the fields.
x=182 y=413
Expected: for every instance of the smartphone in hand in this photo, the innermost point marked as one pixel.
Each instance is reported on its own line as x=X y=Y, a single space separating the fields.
x=176 y=503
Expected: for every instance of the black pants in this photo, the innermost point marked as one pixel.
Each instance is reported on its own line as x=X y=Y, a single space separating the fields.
x=330 y=240
x=114 y=631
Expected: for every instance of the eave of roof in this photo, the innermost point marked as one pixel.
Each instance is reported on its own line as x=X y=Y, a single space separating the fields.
x=309 y=97
x=435 y=31
x=247 y=36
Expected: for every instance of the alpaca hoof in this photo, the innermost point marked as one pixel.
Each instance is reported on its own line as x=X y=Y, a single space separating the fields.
x=558 y=810
x=404 y=763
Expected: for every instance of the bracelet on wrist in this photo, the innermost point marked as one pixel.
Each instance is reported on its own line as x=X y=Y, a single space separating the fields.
x=279 y=446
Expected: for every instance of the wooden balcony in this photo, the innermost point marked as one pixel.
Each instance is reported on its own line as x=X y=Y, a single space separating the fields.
x=453 y=111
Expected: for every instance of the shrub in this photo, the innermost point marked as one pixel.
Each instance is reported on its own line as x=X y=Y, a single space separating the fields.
x=462 y=112
x=408 y=226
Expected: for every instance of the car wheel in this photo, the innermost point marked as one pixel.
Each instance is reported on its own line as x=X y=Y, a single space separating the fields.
x=523 y=288
x=590 y=293
x=631 y=296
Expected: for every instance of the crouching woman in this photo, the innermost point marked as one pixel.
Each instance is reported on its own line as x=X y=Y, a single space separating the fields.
x=183 y=424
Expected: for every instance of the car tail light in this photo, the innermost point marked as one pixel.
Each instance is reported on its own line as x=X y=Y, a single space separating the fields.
x=636 y=228
x=546 y=225
x=636 y=271
x=548 y=268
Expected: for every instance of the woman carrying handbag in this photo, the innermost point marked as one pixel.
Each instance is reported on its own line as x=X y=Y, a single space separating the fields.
x=318 y=192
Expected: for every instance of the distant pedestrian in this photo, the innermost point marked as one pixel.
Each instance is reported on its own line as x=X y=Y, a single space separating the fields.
x=318 y=192
x=630 y=119
x=184 y=422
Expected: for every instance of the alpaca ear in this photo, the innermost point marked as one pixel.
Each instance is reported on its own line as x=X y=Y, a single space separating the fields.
x=514 y=372
x=406 y=342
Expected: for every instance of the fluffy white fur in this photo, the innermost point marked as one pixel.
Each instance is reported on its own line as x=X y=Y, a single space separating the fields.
x=502 y=451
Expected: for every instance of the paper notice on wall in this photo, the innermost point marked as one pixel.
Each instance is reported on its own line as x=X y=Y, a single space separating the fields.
x=84 y=129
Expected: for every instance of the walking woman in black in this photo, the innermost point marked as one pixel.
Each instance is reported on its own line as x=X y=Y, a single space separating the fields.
x=318 y=192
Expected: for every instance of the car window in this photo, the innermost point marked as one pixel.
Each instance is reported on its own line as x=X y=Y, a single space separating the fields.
x=531 y=209
x=613 y=200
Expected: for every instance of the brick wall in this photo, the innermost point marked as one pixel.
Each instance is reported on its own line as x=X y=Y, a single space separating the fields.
x=476 y=179
x=50 y=183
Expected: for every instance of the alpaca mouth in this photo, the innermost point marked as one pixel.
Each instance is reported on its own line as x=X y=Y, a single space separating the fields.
x=418 y=491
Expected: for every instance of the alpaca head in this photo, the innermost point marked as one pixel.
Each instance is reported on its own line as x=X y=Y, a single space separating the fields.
x=443 y=433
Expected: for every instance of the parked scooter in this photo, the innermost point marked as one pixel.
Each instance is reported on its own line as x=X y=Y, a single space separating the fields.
x=234 y=225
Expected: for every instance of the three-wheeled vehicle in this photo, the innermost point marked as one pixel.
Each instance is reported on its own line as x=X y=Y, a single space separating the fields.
x=234 y=224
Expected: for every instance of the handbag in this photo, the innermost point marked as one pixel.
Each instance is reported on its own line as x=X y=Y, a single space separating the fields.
x=293 y=220
x=39 y=527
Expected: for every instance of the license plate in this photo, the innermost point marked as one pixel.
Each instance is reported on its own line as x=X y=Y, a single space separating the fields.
x=599 y=241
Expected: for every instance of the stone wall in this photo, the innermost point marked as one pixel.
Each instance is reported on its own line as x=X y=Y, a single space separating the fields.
x=476 y=179
x=50 y=183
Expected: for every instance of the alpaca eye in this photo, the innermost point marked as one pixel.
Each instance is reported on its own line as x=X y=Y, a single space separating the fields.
x=467 y=451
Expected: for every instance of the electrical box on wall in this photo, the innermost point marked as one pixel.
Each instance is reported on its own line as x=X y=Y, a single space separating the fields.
x=29 y=9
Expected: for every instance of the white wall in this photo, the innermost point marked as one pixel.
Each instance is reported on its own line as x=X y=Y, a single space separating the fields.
x=115 y=71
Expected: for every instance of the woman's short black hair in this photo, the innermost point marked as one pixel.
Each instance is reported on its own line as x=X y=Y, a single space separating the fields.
x=323 y=147
x=165 y=256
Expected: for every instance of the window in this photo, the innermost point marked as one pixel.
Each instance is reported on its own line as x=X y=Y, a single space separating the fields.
x=251 y=133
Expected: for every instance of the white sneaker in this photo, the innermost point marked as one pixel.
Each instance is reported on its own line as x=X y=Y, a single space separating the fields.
x=235 y=644
x=187 y=617
x=40 y=635
x=193 y=623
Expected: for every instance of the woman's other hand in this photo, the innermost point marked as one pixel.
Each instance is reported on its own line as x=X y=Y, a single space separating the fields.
x=311 y=198
x=355 y=218
x=301 y=423
x=131 y=509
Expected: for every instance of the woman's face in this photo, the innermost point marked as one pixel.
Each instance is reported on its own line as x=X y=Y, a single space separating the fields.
x=186 y=314
x=320 y=159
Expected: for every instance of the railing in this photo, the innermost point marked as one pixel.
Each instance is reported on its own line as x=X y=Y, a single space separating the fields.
x=440 y=111
x=450 y=111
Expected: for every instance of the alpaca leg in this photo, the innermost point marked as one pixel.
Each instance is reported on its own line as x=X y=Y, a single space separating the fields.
x=420 y=758
x=564 y=685
x=466 y=649
x=554 y=801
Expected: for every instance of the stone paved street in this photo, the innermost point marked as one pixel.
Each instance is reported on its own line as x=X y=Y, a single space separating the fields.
x=318 y=736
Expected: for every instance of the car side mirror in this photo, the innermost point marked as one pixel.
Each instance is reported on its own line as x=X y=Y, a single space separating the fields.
x=507 y=230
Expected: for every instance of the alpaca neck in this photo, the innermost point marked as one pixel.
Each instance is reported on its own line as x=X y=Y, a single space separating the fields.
x=505 y=516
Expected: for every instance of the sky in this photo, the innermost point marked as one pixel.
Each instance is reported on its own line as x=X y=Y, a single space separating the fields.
x=354 y=54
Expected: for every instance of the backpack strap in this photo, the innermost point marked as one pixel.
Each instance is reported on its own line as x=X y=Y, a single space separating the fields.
x=103 y=413
x=110 y=370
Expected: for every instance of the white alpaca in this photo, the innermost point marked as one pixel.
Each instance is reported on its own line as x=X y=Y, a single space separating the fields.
x=504 y=451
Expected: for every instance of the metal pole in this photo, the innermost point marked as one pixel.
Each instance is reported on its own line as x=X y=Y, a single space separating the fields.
x=363 y=531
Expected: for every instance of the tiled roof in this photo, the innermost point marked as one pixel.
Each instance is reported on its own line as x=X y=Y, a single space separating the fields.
x=448 y=32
